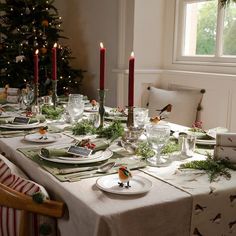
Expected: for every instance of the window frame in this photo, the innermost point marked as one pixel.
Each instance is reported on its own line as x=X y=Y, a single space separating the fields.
x=179 y=58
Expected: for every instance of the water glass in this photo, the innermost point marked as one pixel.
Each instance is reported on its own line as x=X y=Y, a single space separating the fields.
x=157 y=136
x=187 y=145
x=140 y=117
x=75 y=106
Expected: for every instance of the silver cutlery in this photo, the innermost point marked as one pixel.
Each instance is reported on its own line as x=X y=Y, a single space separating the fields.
x=99 y=169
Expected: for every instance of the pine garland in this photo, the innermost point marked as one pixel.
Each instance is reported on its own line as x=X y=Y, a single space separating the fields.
x=213 y=168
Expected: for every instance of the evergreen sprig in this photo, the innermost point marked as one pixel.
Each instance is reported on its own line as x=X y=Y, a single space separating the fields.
x=213 y=168
x=84 y=127
x=51 y=113
x=113 y=131
x=144 y=150
x=170 y=147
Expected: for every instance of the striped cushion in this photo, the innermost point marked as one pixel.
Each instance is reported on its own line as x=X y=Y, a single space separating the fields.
x=14 y=178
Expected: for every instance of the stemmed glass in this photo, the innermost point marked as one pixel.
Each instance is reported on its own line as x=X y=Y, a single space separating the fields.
x=75 y=106
x=28 y=96
x=157 y=136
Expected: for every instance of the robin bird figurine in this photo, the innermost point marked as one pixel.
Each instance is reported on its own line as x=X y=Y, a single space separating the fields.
x=43 y=132
x=124 y=176
x=163 y=113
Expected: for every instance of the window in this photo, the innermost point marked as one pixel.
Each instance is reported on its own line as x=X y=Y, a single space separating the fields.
x=205 y=32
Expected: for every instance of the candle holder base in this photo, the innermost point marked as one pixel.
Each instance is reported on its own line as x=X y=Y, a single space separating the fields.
x=132 y=134
x=130 y=120
x=101 y=109
x=54 y=94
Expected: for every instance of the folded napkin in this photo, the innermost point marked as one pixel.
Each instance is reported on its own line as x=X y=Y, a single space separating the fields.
x=226 y=139
x=227 y=153
x=55 y=152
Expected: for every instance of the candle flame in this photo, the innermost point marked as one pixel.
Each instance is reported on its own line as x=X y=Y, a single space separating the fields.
x=55 y=45
x=101 y=45
x=132 y=54
x=36 y=52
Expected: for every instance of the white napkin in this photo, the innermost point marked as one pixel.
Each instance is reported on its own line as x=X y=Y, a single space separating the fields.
x=226 y=139
x=227 y=153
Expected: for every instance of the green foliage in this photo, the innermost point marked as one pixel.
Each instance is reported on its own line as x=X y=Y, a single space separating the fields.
x=214 y=168
x=27 y=25
x=84 y=127
x=45 y=229
x=224 y=3
x=113 y=131
x=170 y=147
x=38 y=197
x=144 y=150
x=51 y=113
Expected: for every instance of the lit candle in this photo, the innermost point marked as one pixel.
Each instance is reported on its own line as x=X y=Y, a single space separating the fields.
x=102 y=66
x=131 y=80
x=36 y=67
x=54 y=62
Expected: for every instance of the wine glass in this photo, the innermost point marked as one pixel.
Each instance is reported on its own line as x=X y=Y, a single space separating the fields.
x=140 y=117
x=75 y=106
x=157 y=136
x=28 y=96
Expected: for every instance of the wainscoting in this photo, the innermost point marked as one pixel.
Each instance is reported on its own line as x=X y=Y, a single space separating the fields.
x=219 y=102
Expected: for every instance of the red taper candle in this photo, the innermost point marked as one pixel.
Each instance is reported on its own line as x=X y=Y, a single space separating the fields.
x=54 y=62
x=36 y=67
x=102 y=66
x=131 y=80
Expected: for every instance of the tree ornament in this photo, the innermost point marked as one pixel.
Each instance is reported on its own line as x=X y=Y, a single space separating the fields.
x=27 y=11
x=43 y=50
x=45 y=23
x=20 y=58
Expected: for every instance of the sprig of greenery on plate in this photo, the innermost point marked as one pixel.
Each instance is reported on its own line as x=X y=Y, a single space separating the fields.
x=213 y=168
x=51 y=113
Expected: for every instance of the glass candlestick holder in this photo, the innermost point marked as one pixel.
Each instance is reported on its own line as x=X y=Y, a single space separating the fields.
x=54 y=93
x=101 y=109
x=130 y=120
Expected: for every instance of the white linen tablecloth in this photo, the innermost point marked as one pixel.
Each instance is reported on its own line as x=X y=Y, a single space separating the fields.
x=164 y=210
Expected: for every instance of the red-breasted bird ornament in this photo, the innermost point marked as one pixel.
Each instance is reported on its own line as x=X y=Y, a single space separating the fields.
x=124 y=176
x=43 y=131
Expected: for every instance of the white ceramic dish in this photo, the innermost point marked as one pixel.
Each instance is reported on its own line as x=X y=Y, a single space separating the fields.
x=109 y=183
x=104 y=156
x=23 y=126
x=35 y=138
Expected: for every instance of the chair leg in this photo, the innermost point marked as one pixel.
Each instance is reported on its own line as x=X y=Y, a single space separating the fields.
x=24 y=221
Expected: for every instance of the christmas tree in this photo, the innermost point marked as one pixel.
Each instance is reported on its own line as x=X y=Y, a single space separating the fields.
x=28 y=25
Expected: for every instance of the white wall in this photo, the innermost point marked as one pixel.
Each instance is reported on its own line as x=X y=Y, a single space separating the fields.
x=87 y=23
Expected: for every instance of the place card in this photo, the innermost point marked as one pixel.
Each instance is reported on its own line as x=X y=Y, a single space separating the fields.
x=21 y=120
x=79 y=151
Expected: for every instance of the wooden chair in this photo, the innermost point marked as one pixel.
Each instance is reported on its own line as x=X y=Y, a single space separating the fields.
x=13 y=199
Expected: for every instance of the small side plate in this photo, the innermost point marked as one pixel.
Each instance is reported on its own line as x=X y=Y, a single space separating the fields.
x=35 y=138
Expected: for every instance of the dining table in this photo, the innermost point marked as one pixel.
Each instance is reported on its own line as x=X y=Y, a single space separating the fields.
x=178 y=203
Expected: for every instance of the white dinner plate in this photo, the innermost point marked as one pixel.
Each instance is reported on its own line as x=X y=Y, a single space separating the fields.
x=35 y=138
x=109 y=183
x=105 y=156
x=23 y=126
x=91 y=109
x=97 y=154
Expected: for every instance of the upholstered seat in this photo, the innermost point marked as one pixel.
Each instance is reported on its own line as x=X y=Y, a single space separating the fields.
x=185 y=104
x=19 y=197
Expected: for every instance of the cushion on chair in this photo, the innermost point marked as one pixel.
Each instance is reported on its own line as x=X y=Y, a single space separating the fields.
x=184 y=104
x=13 y=177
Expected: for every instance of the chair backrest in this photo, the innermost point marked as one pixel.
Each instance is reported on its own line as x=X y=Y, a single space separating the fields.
x=17 y=203
x=186 y=104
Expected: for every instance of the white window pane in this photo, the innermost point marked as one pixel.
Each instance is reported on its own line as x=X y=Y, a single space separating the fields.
x=200 y=28
x=229 y=46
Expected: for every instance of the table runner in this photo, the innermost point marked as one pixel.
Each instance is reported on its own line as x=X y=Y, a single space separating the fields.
x=120 y=156
x=214 y=204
